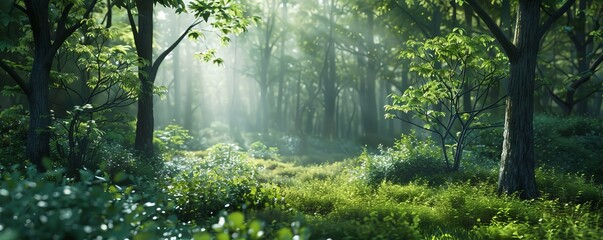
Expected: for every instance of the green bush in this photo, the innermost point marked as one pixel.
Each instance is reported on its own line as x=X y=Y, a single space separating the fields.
x=409 y=159
x=261 y=151
x=222 y=180
x=45 y=206
x=570 y=144
x=48 y=206
x=13 y=133
x=171 y=139
x=568 y=187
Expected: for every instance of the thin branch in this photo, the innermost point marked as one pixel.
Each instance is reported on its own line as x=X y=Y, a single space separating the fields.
x=133 y=25
x=20 y=8
x=420 y=24
x=553 y=17
x=62 y=32
x=164 y=54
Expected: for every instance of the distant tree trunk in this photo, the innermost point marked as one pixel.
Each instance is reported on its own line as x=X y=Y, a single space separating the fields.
x=177 y=69
x=329 y=78
x=280 y=112
x=234 y=93
x=143 y=142
x=189 y=102
x=329 y=92
x=264 y=117
x=368 y=89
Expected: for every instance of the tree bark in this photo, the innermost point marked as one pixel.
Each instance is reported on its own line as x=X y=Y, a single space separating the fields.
x=46 y=44
x=517 y=167
x=144 y=46
x=517 y=160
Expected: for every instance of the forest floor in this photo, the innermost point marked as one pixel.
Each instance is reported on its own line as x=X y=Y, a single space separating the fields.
x=334 y=201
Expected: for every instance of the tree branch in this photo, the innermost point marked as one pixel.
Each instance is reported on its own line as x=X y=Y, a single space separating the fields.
x=553 y=17
x=133 y=25
x=63 y=32
x=420 y=24
x=507 y=45
x=164 y=54
x=16 y=77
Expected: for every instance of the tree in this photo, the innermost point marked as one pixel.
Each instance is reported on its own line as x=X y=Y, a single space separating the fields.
x=49 y=33
x=328 y=75
x=109 y=82
x=467 y=62
x=267 y=38
x=225 y=16
x=583 y=23
x=517 y=167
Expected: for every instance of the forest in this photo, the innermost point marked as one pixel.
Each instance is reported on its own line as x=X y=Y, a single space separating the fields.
x=301 y=119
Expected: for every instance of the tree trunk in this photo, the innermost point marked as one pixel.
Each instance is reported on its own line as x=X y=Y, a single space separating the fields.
x=264 y=113
x=329 y=75
x=145 y=123
x=369 y=104
x=281 y=116
x=177 y=114
x=329 y=92
x=517 y=159
x=38 y=133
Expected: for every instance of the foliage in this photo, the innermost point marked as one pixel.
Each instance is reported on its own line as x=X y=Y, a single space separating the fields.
x=450 y=70
x=342 y=209
x=569 y=187
x=259 y=150
x=222 y=180
x=13 y=132
x=409 y=159
x=47 y=206
x=171 y=139
x=571 y=144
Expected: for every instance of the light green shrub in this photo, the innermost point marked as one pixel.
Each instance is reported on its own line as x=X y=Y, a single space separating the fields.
x=409 y=159
x=222 y=180
x=261 y=151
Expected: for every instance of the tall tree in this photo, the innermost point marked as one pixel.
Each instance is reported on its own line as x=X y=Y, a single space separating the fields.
x=329 y=77
x=49 y=33
x=517 y=167
x=226 y=18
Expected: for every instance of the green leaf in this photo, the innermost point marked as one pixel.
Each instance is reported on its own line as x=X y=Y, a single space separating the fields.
x=284 y=234
x=236 y=219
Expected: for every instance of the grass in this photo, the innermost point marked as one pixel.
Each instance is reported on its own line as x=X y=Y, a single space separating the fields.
x=336 y=203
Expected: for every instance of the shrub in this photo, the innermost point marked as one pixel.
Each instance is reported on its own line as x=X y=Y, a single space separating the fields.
x=409 y=159
x=261 y=151
x=35 y=207
x=47 y=206
x=570 y=144
x=171 y=139
x=13 y=133
x=568 y=187
x=222 y=180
